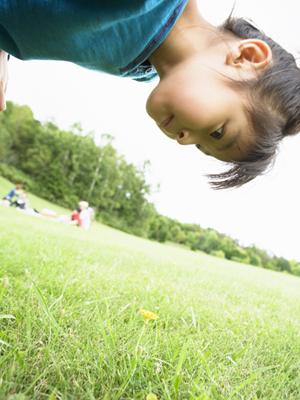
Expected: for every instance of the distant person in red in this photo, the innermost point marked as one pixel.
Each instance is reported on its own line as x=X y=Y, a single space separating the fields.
x=75 y=217
x=83 y=215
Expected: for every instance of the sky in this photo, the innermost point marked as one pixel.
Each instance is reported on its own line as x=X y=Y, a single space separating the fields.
x=264 y=212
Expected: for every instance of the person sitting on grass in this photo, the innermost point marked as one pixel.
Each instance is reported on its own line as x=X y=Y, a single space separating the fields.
x=86 y=215
x=83 y=215
x=21 y=200
x=75 y=216
x=17 y=197
x=13 y=194
x=231 y=90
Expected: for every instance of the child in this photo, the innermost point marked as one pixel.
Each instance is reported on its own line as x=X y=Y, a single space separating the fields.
x=75 y=217
x=86 y=214
x=13 y=194
x=231 y=91
x=83 y=215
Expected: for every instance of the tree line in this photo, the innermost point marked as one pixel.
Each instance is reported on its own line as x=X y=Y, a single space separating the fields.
x=66 y=166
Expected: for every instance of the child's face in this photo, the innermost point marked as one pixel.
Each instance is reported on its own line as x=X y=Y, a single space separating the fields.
x=194 y=104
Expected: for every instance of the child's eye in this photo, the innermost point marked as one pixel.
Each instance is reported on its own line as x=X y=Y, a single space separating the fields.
x=217 y=134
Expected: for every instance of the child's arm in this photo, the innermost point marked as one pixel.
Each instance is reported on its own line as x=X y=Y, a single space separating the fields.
x=3 y=78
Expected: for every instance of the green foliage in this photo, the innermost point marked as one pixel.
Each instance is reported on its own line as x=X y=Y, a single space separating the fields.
x=218 y=253
x=212 y=242
x=295 y=267
x=67 y=166
x=159 y=229
x=15 y=175
x=281 y=264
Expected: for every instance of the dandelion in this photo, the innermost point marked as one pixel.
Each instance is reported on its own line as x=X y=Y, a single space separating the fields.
x=148 y=316
x=151 y=396
x=5 y=282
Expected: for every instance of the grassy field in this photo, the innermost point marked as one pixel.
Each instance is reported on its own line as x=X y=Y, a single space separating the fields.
x=70 y=326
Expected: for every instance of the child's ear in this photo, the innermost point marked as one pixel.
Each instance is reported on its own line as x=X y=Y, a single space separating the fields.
x=253 y=53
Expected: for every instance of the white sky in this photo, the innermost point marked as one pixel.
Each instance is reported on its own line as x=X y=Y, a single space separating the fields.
x=264 y=212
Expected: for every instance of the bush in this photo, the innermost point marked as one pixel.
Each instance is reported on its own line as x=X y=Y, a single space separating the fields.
x=218 y=253
x=16 y=176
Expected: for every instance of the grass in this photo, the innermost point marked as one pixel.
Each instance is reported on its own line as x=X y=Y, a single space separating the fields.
x=70 y=326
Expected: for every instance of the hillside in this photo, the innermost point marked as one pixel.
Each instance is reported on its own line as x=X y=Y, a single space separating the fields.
x=71 y=326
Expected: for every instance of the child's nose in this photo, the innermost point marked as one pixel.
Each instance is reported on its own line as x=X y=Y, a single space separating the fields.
x=184 y=137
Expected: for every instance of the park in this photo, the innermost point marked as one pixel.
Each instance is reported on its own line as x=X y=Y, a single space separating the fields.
x=72 y=327
x=149 y=258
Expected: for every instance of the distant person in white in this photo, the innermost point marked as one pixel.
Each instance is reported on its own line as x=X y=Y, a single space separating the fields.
x=86 y=214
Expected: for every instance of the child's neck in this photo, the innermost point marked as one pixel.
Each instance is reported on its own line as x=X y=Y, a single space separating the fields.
x=191 y=34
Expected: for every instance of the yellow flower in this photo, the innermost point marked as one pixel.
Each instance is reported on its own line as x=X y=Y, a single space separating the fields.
x=5 y=281
x=151 y=396
x=148 y=316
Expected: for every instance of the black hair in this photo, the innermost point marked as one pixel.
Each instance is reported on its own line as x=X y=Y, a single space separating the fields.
x=273 y=111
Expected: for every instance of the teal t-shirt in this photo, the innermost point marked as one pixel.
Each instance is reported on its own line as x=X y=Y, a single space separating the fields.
x=113 y=36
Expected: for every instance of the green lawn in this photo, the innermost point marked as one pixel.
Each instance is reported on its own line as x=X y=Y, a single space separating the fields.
x=70 y=326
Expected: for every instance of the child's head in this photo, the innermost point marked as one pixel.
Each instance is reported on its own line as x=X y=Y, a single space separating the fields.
x=83 y=205
x=234 y=101
x=19 y=186
x=273 y=106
